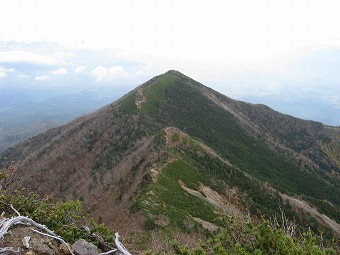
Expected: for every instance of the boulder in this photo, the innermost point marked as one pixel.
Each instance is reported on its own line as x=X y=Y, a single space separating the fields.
x=82 y=247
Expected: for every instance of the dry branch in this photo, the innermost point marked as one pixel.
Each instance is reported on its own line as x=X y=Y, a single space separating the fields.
x=120 y=246
x=4 y=250
x=6 y=223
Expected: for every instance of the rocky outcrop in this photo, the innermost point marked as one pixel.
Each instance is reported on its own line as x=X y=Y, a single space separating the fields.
x=37 y=244
x=22 y=235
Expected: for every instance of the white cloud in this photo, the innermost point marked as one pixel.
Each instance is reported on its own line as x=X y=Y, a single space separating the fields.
x=60 y=71
x=103 y=73
x=116 y=71
x=4 y=71
x=225 y=33
x=334 y=100
x=99 y=72
x=61 y=56
x=23 y=76
x=79 y=69
x=41 y=78
x=7 y=69
x=25 y=56
x=139 y=73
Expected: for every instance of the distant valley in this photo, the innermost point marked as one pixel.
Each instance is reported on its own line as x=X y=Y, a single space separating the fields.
x=25 y=113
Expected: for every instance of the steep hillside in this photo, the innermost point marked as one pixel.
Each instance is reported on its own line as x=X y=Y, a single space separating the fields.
x=200 y=182
x=218 y=154
x=94 y=160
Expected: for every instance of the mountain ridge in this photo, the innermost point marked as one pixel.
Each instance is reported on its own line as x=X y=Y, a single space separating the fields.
x=106 y=158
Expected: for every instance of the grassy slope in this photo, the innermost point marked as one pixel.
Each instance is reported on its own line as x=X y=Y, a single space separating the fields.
x=194 y=166
x=155 y=94
x=166 y=197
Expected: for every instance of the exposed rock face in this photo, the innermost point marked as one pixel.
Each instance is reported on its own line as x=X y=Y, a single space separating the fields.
x=82 y=247
x=38 y=244
x=43 y=245
x=21 y=234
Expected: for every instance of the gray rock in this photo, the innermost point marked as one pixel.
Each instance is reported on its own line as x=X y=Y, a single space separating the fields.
x=64 y=249
x=26 y=241
x=40 y=248
x=81 y=247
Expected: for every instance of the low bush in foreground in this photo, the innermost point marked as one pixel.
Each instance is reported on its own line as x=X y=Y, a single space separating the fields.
x=66 y=219
x=268 y=237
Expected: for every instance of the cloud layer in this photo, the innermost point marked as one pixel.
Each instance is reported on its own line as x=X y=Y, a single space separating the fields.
x=41 y=78
x=110 y=73
x=18 y=56
x=79 y=69
x=60 y=71
x=4 y=71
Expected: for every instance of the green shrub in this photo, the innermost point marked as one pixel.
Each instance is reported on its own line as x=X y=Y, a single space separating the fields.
x=64 y=218
x=265 y=238
x=175 y=137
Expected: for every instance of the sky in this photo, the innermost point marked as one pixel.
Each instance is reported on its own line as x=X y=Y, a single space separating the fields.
x=283 y=53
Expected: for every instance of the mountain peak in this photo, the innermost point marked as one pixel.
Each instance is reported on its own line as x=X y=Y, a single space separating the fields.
x=172 y=71
x=159 y=91
x=175 y=73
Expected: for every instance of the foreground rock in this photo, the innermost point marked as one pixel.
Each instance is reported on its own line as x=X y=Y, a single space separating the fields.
x=38 y=244
x=22 y=235
x=81 y=247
